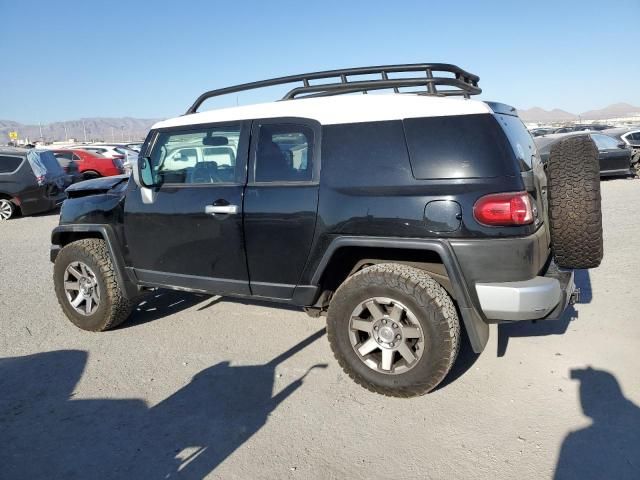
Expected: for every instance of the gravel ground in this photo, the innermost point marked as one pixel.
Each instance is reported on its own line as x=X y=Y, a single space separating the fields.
x=196 y=386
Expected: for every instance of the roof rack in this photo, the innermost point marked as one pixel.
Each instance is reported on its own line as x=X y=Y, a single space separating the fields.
x=462 y=83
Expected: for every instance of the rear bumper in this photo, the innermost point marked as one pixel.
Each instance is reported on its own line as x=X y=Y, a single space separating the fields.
x=542 y=297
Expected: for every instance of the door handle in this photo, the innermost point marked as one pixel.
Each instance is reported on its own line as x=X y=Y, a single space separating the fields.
x=225 y=209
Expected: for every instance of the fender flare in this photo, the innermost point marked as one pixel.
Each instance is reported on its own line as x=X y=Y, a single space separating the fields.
x=477 y=328
x=131 y=289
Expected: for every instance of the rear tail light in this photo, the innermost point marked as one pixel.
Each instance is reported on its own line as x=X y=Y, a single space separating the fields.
x=504 y=209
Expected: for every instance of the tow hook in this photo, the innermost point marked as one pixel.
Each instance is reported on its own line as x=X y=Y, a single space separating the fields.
x=575 y=296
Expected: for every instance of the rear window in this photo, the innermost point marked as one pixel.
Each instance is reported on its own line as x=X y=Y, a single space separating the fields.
x=520 y=139
x=9 y=164
x=458 y=146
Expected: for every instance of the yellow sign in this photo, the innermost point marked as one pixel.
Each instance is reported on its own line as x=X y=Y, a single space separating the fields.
x=13 y=135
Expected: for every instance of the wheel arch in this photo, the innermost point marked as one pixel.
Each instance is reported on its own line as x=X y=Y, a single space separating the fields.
x=346 y=255
x=66 y=234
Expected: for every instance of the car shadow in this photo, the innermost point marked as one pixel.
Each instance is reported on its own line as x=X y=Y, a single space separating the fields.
x=543 y=328
x=160 y=303
x=610 y=446
x=48 y=433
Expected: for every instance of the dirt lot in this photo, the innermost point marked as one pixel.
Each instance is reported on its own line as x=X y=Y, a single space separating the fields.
x=196 y=386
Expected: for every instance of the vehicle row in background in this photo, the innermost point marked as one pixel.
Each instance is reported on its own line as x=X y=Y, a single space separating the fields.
x=578 y=127
x=31 y=181
x=86 y=164
x=615 y=156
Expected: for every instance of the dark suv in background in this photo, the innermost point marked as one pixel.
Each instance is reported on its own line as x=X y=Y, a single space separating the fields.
x=31 y=181
x=400 y=217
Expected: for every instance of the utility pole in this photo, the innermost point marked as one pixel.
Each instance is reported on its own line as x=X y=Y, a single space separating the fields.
x=113 y=135
x=122 y=128
x=84 y=129
x=66 y=134
x=40 y=125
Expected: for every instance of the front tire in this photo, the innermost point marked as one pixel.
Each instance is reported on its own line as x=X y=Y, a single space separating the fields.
x=394 y=330
x=87 y=286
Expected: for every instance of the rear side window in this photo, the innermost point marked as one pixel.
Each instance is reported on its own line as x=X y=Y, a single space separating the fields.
x=9 y=164
x=458 y=146
x=605 y=142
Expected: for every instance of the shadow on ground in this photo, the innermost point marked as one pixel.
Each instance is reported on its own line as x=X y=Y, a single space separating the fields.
x=46 y=433
x=543 y=327
x=161 y=303
x=610 y=446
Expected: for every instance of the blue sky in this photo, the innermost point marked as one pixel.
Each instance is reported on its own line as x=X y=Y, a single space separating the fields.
x=63 y=60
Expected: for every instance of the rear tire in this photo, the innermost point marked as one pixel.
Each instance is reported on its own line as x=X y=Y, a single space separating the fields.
x=87 y=286
x=399 y=309
x=575 y=215
x=7 y=209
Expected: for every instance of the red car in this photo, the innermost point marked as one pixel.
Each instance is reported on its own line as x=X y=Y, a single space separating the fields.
x=88 y=164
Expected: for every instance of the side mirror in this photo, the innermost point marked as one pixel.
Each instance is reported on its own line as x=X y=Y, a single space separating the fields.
x=143 y=172
x=622 y=145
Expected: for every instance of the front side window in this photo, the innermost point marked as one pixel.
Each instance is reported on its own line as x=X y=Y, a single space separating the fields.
x=198 y=156
x=284 y=153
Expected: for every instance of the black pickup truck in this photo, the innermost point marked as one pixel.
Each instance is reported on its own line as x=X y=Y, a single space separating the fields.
x=399 y=216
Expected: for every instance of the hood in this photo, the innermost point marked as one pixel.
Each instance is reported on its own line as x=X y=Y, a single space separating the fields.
x=96 y=186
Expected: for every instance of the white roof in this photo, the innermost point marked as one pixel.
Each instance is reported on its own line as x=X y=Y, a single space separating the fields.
x=340 y=109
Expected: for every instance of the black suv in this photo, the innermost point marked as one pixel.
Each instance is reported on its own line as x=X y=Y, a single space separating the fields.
x=398 y=216
x=31 y=181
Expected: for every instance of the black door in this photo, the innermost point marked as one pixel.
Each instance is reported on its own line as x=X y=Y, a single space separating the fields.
x=613 y=159
x=188 y=231
x=281 y=203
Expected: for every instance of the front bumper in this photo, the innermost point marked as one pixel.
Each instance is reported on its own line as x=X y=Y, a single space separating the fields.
x=542 y=297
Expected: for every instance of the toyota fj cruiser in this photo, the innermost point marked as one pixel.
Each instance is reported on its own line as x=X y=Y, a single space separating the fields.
x=398 y=216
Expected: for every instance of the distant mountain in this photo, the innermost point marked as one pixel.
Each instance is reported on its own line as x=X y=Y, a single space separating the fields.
x=123 y=129
x=616 y=110
x=537 y=114
x=612 y=111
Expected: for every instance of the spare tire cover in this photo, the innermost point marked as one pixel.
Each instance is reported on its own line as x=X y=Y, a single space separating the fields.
x=575 y=215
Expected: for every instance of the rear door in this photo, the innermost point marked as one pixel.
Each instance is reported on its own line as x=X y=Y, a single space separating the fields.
x=281 y=203
x=612 y=157
x=189 y=232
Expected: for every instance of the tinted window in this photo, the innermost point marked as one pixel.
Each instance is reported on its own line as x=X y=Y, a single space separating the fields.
x=460 y=146
x=365 y=154
x=284 y=153
x=604 y=142
x=204 y=155
x=634 y=138
x=9 y=164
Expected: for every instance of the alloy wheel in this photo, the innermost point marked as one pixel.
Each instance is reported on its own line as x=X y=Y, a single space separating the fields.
x=81 y=288
x=386 y=335
x=6 y=209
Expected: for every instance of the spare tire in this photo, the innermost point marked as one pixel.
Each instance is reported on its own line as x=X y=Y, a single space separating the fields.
x=575 y=214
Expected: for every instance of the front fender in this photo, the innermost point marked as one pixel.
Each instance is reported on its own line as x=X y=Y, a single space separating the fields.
x=64 y=234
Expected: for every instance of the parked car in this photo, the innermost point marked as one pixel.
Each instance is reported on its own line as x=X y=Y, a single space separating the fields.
x=31 y=181
x=614 y=156
x=134 y=146
x=631 y=137
x=127 y=155
x=397 y=216
x=536 y=132
x=89 y=164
